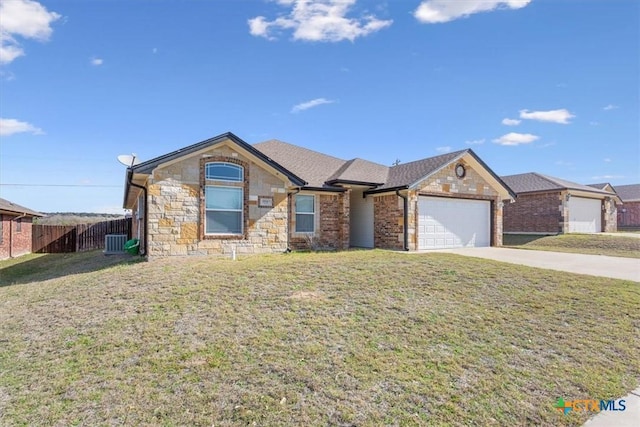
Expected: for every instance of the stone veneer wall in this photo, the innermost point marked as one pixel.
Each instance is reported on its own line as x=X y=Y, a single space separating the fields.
x=332 y=223
x=609 y=216
x=536 y=213
x=174 y=216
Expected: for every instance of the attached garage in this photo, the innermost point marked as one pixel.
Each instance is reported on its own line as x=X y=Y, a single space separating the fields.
x=453 y=223
x=585 y=215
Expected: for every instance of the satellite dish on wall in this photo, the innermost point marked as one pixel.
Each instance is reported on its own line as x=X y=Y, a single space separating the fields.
x=128 y=159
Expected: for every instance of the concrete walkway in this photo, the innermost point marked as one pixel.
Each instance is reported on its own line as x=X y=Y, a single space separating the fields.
x=630 y=417
x=593 y=265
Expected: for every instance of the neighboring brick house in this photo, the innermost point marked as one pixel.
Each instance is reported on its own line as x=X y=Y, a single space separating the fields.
x=15 y=229
x=629 y=209
x=549 y=205
x=222 y=195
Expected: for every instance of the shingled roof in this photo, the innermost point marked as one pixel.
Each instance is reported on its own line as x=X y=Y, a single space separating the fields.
x=533 y=182
x=628 y=193
x=8 y=206
x=323 y=171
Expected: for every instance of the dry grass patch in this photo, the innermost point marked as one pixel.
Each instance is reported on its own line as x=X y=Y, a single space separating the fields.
x=593 y=244
x=356 y=338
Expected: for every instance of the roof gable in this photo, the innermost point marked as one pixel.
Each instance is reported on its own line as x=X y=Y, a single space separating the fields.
x=407 y=174
x=533 y=182
x=148 y=166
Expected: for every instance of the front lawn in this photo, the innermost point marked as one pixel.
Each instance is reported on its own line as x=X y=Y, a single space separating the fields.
x=363 y=338
x=593 y=244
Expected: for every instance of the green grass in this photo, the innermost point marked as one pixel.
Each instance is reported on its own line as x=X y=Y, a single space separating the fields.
x=362 y=338
x=593 y=244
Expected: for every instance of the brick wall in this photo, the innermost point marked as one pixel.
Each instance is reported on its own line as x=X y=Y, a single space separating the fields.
x=388 y=222
x=176 y=206
x=20 y=241
x=332 y=223
x=629 y=214
x=537 y=213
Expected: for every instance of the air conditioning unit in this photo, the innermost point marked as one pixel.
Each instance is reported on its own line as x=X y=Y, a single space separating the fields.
x=114 y=243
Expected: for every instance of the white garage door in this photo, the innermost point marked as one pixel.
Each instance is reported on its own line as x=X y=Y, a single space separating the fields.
x=585 y=215
x=453 y=223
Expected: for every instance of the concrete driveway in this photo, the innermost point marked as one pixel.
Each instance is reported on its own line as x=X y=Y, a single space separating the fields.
x=593 y=265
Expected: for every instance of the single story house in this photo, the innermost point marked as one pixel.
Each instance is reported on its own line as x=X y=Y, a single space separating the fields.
x=15 y=229
x=549 y=205
x=223 y=195
x=629 y=209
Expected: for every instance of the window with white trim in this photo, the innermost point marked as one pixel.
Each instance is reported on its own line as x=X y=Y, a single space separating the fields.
x=222 y=171
x=223 y=209
x=305 y=213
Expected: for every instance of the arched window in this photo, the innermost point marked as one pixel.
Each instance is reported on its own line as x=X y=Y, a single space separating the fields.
x=221 y=171
x=223 y=203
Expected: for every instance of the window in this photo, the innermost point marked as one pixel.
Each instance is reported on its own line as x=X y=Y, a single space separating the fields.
x=223 y=209
x=305 y=214
x=224 y=172
x=18 y=225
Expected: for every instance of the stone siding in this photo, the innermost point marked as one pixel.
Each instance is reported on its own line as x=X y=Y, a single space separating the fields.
x=609 y=216
x=176 y=210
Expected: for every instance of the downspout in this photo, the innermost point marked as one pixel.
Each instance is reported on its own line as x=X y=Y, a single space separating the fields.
x=289 y=208
x=405 y=206
x=146 y=214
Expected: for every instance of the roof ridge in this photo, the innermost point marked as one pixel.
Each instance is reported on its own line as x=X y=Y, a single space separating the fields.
x=452 y=153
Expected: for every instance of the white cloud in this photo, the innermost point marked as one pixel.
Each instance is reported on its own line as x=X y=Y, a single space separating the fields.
x=318 y=20
x=25 y=19
x=438 y=11
x=13 y=126
x=516 y=139
x=606 y=177
x=563 y=163
x=610 y=107
x=444 y=149
x=561 y=116
x=607 y=160
x=310 y=104
x=154 y=50
x=511 y=122
x=475 y=141
x=97 y=61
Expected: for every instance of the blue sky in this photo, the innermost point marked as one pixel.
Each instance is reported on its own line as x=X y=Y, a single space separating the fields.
x=550 y=86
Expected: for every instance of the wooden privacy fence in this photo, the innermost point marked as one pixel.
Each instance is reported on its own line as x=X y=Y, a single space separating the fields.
x=76 y=238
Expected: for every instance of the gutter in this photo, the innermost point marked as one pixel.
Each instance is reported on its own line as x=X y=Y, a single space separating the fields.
x=146 y=205
x=405 y=205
